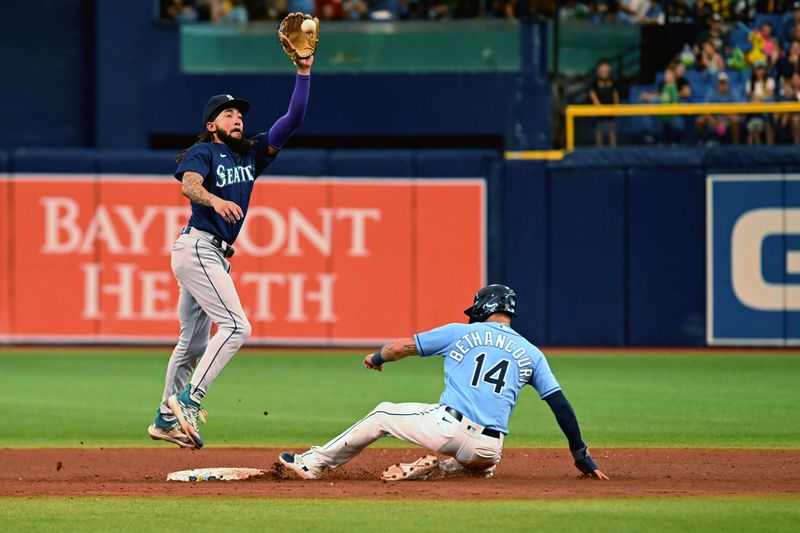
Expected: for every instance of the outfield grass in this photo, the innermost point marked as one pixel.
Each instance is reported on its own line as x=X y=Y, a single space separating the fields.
x=619 y=515
x=52 y=398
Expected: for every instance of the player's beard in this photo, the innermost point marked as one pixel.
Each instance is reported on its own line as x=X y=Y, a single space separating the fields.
x=240 y=145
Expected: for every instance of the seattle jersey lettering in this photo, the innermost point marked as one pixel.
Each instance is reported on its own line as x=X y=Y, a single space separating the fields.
x=237 y=174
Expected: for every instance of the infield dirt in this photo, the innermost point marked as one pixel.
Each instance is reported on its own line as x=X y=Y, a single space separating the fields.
x=523 y=473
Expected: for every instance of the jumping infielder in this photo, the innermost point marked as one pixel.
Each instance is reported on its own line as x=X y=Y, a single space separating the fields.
x=218 y=174
x=486 y=364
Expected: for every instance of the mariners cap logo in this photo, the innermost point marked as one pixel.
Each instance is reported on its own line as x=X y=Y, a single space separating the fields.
x=219 y=102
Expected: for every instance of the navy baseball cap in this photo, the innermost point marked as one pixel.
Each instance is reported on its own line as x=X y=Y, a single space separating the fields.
x=219 y=102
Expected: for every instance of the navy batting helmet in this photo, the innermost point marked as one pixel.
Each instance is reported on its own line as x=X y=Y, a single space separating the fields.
x=492 y=299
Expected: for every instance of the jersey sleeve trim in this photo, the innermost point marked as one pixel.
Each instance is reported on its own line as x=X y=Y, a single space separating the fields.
x=419 y=346
x=548 y=393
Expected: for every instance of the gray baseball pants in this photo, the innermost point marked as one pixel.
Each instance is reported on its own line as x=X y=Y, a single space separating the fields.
x=207 y=294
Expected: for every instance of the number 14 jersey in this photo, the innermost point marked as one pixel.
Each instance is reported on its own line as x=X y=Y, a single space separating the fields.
x=486 y=364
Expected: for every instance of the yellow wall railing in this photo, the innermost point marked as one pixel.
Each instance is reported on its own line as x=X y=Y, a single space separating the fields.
x=627 y=110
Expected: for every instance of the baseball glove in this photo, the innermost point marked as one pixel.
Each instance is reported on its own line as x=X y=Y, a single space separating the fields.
x=296 y=43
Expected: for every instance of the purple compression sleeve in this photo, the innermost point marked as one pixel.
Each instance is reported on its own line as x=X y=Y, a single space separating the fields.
x=280 y=131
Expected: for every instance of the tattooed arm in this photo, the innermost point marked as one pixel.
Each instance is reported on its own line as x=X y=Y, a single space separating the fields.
x=393 y=351
x=193 y=190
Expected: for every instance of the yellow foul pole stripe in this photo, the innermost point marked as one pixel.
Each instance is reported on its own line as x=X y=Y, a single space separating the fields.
x=627 y=110
x=623 y=110
x=534 y=155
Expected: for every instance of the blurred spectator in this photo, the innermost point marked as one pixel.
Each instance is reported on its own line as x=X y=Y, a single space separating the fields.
x=386 y=10
x=772 y=6
x=781 y=67
x=204 y=8
x=715 y=7
x=793 y=55
x=788 y=124
x=440 y=9
x=354 y=9
x=411 y=9
x=709 y=59
x=178 y=11
x=717 y=33
x=790 y=21
x=684 y=87
x=596 y=11
x=760 y=88
x=654 y=14
x=604 y=91
x=680 y=12
x=569 y=10
x=229 y=11
x=766 y=31
x=667 y=93
x=632 y=11
x=720 y=128
x=540 y=8
x=329 y=9
x=504 y=9
x=267 y=9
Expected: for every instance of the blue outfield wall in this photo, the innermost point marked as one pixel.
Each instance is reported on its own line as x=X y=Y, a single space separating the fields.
x=604 y=248
x=608 y=247
x=104 y=74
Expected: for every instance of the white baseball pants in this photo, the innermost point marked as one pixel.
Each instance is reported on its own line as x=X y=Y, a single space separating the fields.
x=426 y=425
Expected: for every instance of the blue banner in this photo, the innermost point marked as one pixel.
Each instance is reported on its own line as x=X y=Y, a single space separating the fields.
x=753 y=259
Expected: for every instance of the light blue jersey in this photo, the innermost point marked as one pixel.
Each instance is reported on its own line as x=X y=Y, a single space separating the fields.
x=486 y=364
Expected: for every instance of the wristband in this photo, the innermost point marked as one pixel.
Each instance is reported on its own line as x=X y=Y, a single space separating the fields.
x=377 y=360
x=581 y=454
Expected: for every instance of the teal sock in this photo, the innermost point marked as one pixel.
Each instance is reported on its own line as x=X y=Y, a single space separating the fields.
x=188 y=398
x=163 y=420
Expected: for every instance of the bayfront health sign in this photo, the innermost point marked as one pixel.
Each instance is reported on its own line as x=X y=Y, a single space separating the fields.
x=320 y=261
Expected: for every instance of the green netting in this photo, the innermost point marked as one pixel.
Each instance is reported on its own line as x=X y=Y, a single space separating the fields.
x=581 y=44
x=452 y=46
